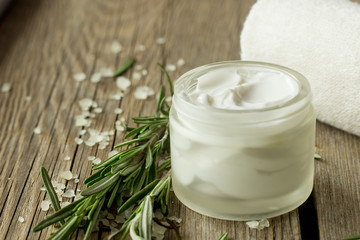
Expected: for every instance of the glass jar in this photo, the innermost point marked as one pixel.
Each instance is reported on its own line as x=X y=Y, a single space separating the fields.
x=242 y=164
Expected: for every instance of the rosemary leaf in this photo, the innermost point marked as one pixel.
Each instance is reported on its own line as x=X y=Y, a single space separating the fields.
x=50 y=190
x=125 y=66
x=139 y=195
x=224 y=236
x=167 y=77
x=100 y=185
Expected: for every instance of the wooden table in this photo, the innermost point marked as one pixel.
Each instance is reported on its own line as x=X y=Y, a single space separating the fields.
x=44 y=43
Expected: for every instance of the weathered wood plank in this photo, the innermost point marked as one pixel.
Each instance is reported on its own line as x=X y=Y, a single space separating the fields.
x=337 y=183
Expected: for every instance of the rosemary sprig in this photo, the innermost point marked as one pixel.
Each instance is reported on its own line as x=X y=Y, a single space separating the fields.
x=125 y=66
x=352 y=238
x=133 y=171
x=223 y=236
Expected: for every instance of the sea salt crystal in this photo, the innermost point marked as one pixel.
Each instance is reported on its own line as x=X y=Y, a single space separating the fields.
x=98 y=110
x=112 y=153
x=115 y=47
x=113 y=232
x=28 y=98
x=118 y=111
x=123 y=83
x=21 y=219
x=96 y=77
x=180 y=62
x=79 y=141
x=86 y=103
x=45 y=205
x=116 y=96
x=97 y=161
x=120 y=218
x=168 y=99
x=37 y=130
x=170 y=67
x=143 y=92
x=138 y=67
x=91 y=158
x=144 y=72
x=82 y=132
x=120 y=128
x=110 y=216
x=259 y=225
x=68 y=194
x=78 y=196
x=64 y=204
x=141 y=48
x=5 y=87
x=80 y=121
x=160 y=40
x=158 y=231
x=75 y=175
x=67 y=175
x=79 y=77
x=136 y=76
x=67 y=158
x=106 y=72
x=76 y=180
x=43 y=189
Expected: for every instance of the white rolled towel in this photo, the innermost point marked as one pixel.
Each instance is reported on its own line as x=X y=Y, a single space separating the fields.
x=321 y=40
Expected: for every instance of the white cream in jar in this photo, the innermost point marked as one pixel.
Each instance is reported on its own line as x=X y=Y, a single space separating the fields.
x=242 y=140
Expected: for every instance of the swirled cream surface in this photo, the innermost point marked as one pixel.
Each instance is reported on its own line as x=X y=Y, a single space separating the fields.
x=231 y=88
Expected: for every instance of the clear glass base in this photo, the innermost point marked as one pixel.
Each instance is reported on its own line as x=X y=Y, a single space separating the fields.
x=229 y=208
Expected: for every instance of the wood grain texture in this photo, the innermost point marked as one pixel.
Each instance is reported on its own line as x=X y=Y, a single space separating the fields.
x=43 y=43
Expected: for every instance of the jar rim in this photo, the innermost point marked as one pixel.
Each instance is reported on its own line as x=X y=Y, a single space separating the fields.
x=304 y=93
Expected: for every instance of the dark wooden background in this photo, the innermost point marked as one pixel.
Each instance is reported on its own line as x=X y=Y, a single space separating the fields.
x=43 y=43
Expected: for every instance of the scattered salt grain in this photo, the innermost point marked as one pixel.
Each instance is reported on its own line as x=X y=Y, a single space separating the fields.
x=76 y=180
x=168 y=99
x=37 y=130
x=79 y=141
x=79 y=77
x=98 y=110
x=144 y=72
x=96 y=77
x=5 y=87
x=141 y=48
x=45 y=205
x=75 y=175
x=112 y=153
x=136 y=76
x=106 y=72
x=28 y=98
x=120 y=218
x=143 y=92
x=110 y=216
x=21 y=219
x=180 y=62
x=158 y=231
x=82 y=132
x=160 y=40
x=116 y=47
x=67 y=158
x=113 y=232
x=138 y=67
x=123 y=83
x=170 y=67
x=259 y=225
x=68 y=194
x=67 y=175
x=78 y=196
x=97 y=161
x=86 y=103
x=64 y=204
x=122 y=119
x=118 y=111
x=81 y=121
x=91 y=158
x=120 y=128
x=105 y=222
x=116 y=96
x=43 y=189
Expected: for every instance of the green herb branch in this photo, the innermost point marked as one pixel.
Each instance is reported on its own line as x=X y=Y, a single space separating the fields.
x=132 y=172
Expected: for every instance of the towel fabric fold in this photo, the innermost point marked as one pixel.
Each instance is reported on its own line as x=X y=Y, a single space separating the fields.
x=321 y=40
